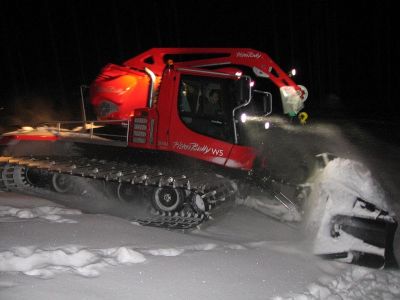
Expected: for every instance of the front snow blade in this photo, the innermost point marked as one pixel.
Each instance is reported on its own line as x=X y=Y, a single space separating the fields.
x=377 y=232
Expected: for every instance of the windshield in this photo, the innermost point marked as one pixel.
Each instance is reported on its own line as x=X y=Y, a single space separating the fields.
x=215 y=106
x=251 y=118
x=205 y=104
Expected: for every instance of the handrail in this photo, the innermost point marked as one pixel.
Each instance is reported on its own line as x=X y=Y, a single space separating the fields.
x=83 y=104
x=91 y=126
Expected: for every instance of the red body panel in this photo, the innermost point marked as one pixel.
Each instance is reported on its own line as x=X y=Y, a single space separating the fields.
x=228 y=56
x=126 y=88
x=241 y=157
x=184 y=141
x=156 y=123
x=143 y=129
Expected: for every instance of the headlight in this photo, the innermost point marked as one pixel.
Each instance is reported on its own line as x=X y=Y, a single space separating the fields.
x=243 y=118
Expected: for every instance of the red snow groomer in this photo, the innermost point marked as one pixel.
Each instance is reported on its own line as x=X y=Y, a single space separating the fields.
x=172 y=124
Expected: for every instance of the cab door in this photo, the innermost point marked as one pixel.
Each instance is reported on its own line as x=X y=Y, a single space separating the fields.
x=192 y=131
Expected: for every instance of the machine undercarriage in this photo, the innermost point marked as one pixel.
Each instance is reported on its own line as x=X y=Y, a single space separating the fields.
x=179 y=199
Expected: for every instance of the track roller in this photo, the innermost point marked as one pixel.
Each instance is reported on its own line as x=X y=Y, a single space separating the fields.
x=62 y=183
x=167 y=199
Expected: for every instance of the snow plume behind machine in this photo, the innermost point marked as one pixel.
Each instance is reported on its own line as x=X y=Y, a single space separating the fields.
x=159 y=137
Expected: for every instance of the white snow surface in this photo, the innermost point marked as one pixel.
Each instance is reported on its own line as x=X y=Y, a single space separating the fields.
x=50 y=213
x=49 y=251
x=243 y=256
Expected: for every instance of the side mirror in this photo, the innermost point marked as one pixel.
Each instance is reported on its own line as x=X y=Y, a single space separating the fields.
x=263 y=100
x=243 y=87
x=267 y=101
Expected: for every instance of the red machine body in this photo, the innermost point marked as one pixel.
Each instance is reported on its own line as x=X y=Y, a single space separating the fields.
x=159 y=96
x=148 y=90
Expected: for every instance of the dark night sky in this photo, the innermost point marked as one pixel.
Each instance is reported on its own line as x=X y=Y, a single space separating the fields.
x=48 y=48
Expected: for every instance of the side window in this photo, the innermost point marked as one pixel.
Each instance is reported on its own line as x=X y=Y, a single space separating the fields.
x=188 y=97
x=203 y=106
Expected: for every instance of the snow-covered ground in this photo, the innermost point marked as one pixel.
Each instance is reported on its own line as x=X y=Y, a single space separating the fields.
x=47 y=250
x=51 y=251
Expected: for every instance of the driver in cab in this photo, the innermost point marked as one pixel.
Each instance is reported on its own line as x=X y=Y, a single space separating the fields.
x=213 y=111
x=213 y=106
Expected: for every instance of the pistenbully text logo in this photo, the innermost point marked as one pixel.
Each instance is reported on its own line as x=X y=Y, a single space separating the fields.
x=249 y=54
x=194 y=147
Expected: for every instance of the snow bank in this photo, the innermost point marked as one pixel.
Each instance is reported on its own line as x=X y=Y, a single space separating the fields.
x=45 y=263
x=271 y=207
x=349 y=178
x=354 y=283
x=166 y=252
x=50 y=213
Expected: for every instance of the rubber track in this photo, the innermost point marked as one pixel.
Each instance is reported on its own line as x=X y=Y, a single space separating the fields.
x=215 y=190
